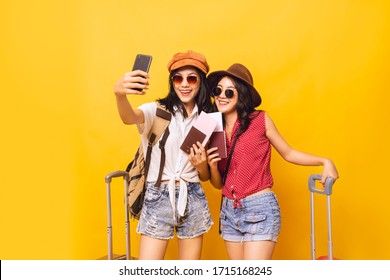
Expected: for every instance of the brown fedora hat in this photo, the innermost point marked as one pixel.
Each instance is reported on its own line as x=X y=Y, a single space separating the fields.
x=240 y=72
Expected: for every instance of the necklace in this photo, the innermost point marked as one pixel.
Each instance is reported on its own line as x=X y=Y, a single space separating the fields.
x=229 y=131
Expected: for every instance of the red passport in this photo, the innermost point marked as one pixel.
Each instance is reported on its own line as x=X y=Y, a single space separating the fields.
x=193 y=136
x=218 y=140
x=201 y=131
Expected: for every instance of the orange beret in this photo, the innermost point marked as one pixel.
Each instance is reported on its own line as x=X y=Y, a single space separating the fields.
x=189 y=58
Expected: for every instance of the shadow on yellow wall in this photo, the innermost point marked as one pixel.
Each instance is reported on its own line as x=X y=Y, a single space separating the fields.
x=322 y=69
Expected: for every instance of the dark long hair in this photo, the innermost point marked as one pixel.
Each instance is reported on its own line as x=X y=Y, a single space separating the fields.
x=245 y=105
x=202 y=99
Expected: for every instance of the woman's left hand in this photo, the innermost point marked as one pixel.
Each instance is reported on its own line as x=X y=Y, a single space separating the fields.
x=329 y=171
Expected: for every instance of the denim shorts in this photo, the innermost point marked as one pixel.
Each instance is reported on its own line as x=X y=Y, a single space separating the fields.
x=258 y=218
x=157 y=216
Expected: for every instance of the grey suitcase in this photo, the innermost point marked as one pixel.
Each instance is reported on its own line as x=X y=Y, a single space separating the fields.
x=108 y=178
x=327 y=190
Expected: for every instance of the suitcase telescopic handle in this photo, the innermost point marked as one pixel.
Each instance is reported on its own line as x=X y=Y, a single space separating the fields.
x=108 y=179
x=115 y=174
x=327 y=186
x=328 y=191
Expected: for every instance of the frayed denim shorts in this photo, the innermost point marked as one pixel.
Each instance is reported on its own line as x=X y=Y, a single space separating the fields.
x=258 y=218
x=157 y=216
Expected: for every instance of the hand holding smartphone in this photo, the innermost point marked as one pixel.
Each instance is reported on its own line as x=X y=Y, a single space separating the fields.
x=142 y=62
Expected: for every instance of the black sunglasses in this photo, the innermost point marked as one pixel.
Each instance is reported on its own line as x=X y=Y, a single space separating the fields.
x=178 y=79
x=229 y=93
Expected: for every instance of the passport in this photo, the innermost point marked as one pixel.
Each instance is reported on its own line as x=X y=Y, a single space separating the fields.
x=201 y=131
x=218 y=137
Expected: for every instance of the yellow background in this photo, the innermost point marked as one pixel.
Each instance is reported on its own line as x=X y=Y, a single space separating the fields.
x=322 y=68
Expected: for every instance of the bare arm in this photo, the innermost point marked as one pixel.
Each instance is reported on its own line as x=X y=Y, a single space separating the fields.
x=127 y=85
x=297 y=157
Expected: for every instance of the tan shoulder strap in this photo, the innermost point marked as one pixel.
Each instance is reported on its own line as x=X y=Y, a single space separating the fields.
x=160 y=126
x=161 y=122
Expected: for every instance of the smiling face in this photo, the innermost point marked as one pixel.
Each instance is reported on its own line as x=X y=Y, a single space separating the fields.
x=186 y=83
x=225 y=102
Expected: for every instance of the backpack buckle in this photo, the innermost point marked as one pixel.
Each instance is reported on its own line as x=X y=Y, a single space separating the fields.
x=161 y=145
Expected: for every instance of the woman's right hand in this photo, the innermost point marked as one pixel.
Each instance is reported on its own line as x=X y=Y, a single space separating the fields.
x=135 y=82
x=213 y=158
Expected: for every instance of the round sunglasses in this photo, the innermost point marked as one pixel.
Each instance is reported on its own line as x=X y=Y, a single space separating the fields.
x=178 y=79
x=229 y=93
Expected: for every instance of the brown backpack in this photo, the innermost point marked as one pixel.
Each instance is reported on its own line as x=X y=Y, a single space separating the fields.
x=138 y=168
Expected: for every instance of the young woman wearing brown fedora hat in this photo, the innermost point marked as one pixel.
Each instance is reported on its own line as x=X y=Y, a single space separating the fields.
x=179 y=202
x=250 y=214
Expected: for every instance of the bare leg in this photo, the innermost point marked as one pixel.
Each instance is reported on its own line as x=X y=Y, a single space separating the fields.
x=258 y=250
x=254 y=250
x=235 y=250
x=191 y=248
x=152 y=248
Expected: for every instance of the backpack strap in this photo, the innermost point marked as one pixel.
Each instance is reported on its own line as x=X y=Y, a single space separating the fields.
x=161 y=122
x=160 y=125
x=162 y=161
x=226 y=172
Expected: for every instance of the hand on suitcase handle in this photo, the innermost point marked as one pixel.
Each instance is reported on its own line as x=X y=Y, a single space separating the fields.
x=327 y=186
x=115 y=174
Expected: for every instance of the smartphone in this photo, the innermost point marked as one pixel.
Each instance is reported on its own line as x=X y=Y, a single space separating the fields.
x=142 y=62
